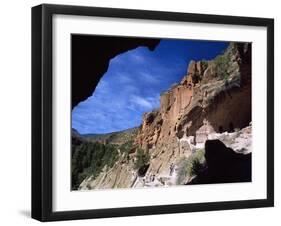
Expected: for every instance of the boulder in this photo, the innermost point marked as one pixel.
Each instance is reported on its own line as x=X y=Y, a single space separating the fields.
x=224 y=165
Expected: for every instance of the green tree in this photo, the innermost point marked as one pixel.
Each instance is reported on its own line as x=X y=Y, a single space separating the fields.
x=126 y=147
x=191 y=166
x=204 y=64
x=89 y=158
x=221 y=66
x=142 y=158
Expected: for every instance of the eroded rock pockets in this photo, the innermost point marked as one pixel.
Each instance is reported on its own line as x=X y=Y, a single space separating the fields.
x=216 y=91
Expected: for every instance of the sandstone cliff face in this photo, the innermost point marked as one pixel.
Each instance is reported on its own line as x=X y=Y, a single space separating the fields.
x=219 y=101
x=212 y=99
x=206 y=101
x=158 y=127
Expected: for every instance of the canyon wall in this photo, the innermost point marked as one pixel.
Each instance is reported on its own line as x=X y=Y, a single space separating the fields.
x=203 y=98
x=208 y=100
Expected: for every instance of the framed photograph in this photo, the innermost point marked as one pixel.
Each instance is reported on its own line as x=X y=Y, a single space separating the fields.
x=145 y=112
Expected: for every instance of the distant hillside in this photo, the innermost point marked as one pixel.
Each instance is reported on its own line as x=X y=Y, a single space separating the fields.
x=93 y=153
x=77 y=139
x=118 y=138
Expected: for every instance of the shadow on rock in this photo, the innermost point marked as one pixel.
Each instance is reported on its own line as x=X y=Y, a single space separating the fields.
x=224 y=165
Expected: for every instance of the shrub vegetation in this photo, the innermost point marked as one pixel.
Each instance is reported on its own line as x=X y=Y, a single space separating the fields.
x=191 y=166
x=204 y=64
x=222 y=65
x=142 y=159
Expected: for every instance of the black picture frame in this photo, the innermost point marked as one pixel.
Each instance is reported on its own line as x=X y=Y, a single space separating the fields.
x=42 y=111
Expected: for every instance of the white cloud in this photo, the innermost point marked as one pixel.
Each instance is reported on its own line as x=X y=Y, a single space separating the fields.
x=146 y=103
x=148 y=77
x=137 y=56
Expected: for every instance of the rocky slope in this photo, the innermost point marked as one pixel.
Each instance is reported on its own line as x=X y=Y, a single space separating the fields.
x=94 y=154
x=212 y=102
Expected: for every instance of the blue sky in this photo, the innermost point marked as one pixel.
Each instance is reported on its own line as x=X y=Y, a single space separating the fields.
x=134 y=81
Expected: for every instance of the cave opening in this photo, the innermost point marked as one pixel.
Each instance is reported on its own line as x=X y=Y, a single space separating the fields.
x=90 y=58
x=231 y=128
x=142 y=170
